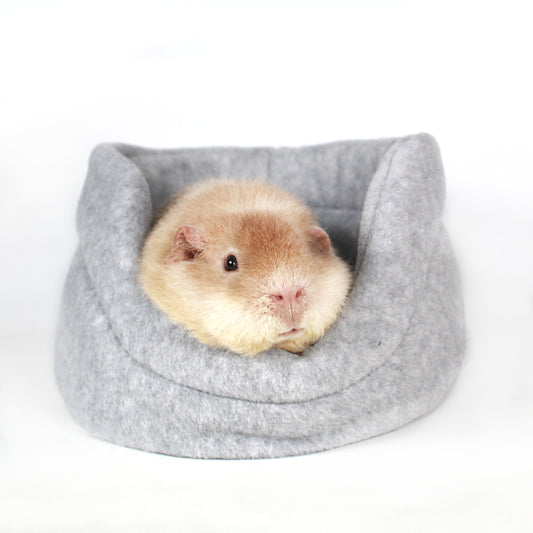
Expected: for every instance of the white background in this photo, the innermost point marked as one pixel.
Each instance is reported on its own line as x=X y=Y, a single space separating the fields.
x=279 y=73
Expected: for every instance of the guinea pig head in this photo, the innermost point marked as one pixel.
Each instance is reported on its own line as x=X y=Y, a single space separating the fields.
x=255 y=280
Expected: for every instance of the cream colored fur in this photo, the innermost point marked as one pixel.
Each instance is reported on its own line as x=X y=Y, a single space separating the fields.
x=267 y=230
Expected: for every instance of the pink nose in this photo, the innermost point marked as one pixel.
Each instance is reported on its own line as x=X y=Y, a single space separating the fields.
x=288 y=305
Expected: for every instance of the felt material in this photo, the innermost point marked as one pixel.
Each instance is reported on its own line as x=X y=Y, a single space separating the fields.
x=130 y=376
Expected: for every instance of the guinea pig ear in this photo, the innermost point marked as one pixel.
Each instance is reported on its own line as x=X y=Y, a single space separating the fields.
x=319 y=239
x=188 y=243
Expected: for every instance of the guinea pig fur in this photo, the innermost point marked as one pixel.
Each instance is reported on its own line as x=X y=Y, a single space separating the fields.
x=243 y=265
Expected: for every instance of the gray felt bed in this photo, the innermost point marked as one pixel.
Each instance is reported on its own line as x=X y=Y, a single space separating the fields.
x=130 y=376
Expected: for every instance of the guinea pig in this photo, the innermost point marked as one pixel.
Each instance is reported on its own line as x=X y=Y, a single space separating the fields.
x=243 y=265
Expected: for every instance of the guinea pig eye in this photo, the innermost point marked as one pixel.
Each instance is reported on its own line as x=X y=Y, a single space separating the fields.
x=231 y=263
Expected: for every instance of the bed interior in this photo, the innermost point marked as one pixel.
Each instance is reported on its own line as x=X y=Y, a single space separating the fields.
x=331 y=179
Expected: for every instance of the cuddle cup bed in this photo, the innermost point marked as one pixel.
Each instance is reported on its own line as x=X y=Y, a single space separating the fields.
x=130 y=376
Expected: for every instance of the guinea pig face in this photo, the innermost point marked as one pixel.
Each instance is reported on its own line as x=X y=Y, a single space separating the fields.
x=260 y=283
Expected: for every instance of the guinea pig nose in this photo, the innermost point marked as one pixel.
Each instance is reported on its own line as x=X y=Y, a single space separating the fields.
x=288 y=296
x=288 y=306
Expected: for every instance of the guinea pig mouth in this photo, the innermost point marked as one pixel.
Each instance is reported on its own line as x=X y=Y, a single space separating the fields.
x=293 y=331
